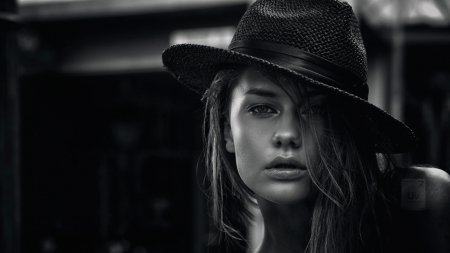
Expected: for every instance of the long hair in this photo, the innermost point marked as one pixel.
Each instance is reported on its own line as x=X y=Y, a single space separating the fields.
x=347 y=178
x=228 y=195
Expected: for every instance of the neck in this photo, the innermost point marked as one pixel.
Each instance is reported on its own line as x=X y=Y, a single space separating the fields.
x=286 y=226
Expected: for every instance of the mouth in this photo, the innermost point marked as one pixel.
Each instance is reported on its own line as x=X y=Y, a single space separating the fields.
x=285 y=169
x=285 y=163
x=288 y=166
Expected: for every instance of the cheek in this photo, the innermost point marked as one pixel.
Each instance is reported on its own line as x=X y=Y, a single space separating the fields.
x=250 y=150
x=310 y=148
x=312 y=137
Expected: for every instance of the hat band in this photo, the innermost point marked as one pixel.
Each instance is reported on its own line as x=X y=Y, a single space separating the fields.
x=304 y=63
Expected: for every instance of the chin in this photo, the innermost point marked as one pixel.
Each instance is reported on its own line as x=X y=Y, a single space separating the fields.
x=286 y=194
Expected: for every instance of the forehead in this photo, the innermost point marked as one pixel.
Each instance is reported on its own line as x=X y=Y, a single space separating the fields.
x=252 y=81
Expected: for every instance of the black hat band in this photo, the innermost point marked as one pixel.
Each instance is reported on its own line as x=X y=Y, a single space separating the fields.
x=304 y=63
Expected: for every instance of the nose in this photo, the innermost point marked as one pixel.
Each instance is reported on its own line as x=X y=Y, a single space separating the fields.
x=288 y=132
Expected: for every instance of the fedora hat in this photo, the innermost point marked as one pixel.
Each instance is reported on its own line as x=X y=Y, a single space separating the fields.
x=318 y=42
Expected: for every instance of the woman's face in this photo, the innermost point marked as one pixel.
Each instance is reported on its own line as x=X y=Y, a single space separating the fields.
x=264 y=132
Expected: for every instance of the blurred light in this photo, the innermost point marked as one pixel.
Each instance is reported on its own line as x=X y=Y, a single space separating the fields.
x=28 y=41
x=135 y=2
x=388 y=12
x=46 y=1
x=216 y=37
x=430 y=10
x=405 y=12
x=66 y=9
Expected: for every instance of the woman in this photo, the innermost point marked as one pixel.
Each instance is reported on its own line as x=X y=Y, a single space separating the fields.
x=288 y=128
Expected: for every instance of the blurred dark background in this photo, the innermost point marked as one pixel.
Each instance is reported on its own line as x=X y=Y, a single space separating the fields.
x=100 y=147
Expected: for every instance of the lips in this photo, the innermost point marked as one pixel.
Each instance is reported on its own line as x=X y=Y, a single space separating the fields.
x=285 y=163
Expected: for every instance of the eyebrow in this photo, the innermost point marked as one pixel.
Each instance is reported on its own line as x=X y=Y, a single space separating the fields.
x=267 y=93
x=261 y=92
x=314 y=93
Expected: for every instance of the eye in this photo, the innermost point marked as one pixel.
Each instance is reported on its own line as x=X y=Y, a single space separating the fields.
x=316 y=110
x=261 y=109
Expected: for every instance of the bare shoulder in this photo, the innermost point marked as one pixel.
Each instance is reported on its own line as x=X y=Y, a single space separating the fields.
x=430 y=173
x=429 y=227
x=437 y=184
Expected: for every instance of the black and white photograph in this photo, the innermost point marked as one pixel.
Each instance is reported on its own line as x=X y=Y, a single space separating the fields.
x=224 y=126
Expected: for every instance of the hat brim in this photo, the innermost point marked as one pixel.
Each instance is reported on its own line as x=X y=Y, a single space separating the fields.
x=195 y=66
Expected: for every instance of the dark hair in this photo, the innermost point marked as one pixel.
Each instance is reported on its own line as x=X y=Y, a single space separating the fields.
x=228 y=195
x=348 y=174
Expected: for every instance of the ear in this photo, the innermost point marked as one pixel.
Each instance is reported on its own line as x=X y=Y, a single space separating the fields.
x=228 y=136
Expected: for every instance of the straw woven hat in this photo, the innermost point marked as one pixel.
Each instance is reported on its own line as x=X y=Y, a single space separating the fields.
x=316 y=41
